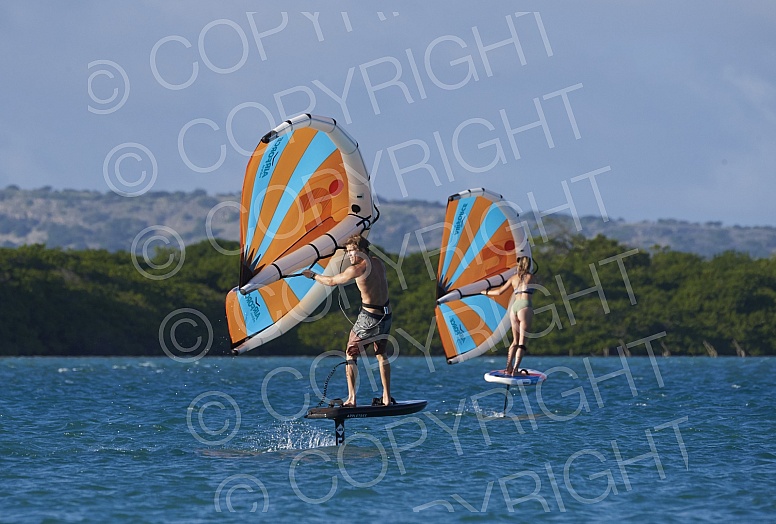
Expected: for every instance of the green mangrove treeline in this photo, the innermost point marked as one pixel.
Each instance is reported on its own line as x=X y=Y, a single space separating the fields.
x=592 y=296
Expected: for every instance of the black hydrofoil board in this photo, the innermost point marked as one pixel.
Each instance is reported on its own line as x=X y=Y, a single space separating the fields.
x=404 y=407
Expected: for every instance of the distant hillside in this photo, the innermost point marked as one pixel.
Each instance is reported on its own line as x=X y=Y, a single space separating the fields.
x=89 y=219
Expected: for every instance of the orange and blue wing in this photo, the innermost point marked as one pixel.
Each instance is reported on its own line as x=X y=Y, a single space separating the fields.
x=305 y=191
x=481 y=242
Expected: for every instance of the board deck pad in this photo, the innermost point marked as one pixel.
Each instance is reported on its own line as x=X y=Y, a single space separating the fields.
x=404 y=407
x=533 y=378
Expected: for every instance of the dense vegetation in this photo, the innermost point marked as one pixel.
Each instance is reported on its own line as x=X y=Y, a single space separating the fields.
x=94 y=302
x=74 y=219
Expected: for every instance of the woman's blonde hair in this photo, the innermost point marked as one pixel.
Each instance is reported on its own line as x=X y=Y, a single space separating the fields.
x=523 y=265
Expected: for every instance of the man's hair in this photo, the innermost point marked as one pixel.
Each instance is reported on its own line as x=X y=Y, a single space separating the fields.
x=360 y=242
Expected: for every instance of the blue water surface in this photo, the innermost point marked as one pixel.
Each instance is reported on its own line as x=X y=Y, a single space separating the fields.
x=219 y=439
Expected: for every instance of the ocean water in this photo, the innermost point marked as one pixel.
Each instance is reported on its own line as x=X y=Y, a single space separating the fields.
x=220 y=439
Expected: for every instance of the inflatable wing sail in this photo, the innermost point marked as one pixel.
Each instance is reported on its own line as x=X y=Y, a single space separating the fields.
x=480 y=246
x=306 y=190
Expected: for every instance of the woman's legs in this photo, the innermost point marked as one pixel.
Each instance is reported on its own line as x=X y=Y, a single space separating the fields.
x=510 y=358
x=513 y=349
x=521 y=322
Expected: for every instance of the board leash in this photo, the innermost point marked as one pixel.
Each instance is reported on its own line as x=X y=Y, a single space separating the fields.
x=326 y=382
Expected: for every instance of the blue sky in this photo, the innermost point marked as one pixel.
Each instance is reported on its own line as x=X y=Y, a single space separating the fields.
x=639 y=110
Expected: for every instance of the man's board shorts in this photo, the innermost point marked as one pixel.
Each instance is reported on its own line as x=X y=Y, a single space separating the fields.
x=369 y=328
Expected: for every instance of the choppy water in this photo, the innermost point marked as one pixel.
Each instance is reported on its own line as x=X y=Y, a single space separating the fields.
x=154 y=440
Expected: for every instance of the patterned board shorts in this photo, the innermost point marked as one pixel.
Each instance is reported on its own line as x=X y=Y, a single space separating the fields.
x=369 y=328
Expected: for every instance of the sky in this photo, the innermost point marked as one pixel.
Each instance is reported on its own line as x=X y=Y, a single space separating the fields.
x=625 y=110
